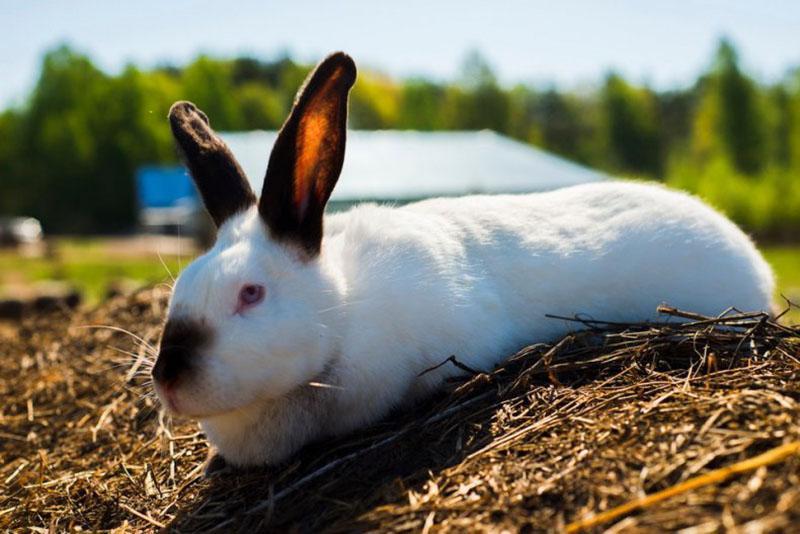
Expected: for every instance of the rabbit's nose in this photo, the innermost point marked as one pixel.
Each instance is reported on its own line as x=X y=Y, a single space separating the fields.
x=180 y=342
x=172 y=361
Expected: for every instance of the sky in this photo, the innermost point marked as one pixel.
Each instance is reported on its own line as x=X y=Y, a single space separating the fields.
x=566 y=43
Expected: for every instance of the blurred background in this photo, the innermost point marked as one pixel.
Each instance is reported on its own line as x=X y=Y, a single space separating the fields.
x=452 y=98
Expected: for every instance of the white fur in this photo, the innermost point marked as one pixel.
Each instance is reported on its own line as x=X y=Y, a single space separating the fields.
x=398 y=290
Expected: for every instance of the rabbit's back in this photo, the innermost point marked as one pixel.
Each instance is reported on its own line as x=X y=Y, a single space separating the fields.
x=477 y=276
x=616 y=248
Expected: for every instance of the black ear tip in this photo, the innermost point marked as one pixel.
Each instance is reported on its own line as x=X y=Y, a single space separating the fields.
x=342 y=58
x=342 y=61
x=183 y=110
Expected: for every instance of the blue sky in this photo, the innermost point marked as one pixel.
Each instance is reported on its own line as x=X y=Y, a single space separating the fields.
x=570 y=43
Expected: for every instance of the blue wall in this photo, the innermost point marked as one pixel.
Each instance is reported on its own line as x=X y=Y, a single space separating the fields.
x=164 y=187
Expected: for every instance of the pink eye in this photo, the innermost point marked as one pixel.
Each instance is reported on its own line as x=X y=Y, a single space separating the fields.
x=250 y=295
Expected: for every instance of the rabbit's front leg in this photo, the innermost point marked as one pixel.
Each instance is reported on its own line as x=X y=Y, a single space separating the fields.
x=271 y=432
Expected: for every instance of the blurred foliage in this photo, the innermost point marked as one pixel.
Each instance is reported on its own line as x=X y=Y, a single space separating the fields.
x=631 y=127
x=70 y=151
x=731 y=116
x=89 y=265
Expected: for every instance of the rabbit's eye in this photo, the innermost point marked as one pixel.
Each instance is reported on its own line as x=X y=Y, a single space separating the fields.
x=250 y=295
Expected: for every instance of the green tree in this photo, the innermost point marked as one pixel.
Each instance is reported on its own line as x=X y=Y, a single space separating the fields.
x=374 y=102
x=58 y=142
x=260 y=107
x=523 y=104
x=479 y=102
x=77 y=144
x=631 y=128
x=566 y=126
x=209 y=83
x=420 y=106
x=14 y=195
x=784 y=100
x=675 y=115
x=730 y=121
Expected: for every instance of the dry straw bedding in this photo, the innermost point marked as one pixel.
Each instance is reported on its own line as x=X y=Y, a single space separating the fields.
x=608 y=416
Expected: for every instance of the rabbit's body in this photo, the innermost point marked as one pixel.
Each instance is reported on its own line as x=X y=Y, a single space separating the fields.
x=476 y=276
x=283 y=333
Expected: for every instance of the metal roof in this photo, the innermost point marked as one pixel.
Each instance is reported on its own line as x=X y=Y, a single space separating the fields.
x=398 y=165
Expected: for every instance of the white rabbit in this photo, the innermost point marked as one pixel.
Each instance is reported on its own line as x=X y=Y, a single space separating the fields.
x=387 y=292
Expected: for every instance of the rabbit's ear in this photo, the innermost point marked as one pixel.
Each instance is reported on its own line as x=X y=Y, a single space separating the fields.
x=307 y=156
x=221 y=182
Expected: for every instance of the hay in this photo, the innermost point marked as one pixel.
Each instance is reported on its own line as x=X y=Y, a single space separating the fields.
x=660 y=426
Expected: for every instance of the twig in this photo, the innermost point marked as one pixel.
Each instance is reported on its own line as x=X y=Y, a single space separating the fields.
x=669 y=310
x=452 y=359
x=140 y=515
x=590 y=323
x=772 y=456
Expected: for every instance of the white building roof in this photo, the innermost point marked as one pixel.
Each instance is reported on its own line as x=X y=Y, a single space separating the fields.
x=399 y=165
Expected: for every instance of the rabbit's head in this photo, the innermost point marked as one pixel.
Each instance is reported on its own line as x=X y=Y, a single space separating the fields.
x=246 y=321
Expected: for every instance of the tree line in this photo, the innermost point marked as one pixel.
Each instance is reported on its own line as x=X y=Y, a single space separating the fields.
x=69 y=152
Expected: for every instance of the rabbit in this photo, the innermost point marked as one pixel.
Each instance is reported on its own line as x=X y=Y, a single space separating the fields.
x=297 y=326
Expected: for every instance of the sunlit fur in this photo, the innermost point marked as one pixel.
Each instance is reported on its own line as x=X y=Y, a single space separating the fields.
x=398 y=290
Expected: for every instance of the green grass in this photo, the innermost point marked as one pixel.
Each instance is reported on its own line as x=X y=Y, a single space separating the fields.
x=785 y=261
x=89 y=265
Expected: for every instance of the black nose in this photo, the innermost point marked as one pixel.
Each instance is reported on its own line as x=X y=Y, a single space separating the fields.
x=171 y=363
x=180 y=342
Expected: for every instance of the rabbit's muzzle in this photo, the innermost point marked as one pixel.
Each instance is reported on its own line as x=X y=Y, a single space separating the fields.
x=180 y=341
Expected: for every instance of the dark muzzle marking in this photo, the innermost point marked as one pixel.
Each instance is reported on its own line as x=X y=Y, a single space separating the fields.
x=181 y=339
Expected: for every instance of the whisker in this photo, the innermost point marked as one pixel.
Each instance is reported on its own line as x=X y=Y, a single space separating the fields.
x=119 y=363
x=123 y=331
x=324 y=386
x=141 y=359
x=342 y=305
x=136 y=355
x=180 y=248
x=164 y=264
x=166 y=285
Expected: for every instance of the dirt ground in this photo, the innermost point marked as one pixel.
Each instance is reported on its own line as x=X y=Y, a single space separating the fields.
x=706 y=411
